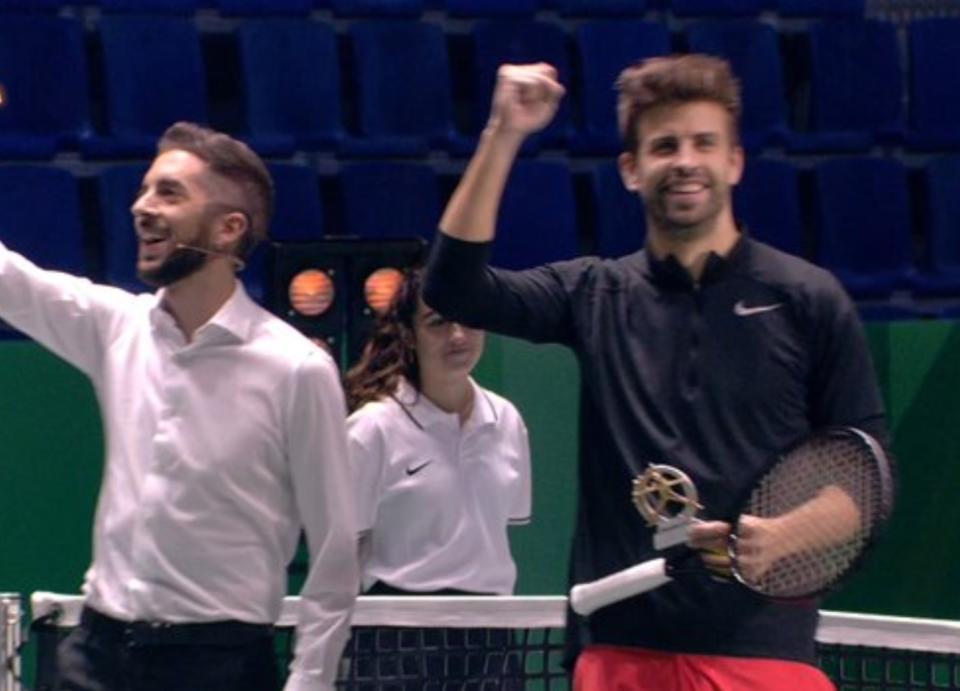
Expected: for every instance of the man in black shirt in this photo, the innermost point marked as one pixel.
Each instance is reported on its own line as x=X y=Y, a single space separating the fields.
x=707 y=351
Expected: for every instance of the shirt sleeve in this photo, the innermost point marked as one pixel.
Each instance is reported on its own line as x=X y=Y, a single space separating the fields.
x=522 y=509
x=533 y=304
x=367 y=460
x=64 y=313
x=844 y=382
x=317 y=451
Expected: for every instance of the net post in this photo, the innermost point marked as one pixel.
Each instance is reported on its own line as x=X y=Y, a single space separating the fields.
x=11 y=613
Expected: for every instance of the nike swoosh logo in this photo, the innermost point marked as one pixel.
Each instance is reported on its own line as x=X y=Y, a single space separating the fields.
x=741 y=310
x=413 y=470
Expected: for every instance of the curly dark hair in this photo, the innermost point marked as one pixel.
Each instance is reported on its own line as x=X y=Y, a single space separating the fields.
x=391 y=352
x=673 y=80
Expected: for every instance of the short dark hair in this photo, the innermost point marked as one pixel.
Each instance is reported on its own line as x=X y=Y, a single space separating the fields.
x=674 y=79
x=235 y=161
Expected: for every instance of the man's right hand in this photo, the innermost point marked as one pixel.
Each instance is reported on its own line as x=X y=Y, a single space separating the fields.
x=525 y=99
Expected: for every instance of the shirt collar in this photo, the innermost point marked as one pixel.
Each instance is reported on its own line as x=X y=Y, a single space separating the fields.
x=669 y=273
x=424 y=413
x=234 y=319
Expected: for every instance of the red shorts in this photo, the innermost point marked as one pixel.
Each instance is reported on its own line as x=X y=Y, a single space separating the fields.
x=613 y=668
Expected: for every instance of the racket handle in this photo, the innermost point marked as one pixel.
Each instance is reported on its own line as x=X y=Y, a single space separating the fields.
x=586 y=598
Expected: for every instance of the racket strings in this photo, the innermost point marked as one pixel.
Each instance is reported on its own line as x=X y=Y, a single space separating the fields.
x=818 y=552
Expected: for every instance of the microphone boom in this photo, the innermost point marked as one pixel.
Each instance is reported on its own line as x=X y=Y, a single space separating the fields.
x=238 y=263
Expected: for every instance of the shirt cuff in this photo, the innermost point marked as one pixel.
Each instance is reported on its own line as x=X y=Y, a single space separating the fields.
x=462 y=253
x=454 y=272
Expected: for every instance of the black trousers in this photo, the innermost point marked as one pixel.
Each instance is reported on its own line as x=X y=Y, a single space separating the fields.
x=104 y=654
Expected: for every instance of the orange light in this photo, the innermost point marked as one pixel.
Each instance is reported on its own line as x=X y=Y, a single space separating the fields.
x=311 y=292
x=380 y=287
x=3 y=96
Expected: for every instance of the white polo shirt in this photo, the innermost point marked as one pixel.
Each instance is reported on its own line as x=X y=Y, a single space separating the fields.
x=435 y=497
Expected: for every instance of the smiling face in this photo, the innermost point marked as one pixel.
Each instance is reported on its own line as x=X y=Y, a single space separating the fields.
x=445 y=348
x=685 y=165
x=178 y=216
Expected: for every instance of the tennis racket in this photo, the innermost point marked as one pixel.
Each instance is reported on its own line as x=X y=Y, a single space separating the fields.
x=824 y=499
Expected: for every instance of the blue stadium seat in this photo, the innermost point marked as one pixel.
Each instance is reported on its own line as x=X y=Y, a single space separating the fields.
x=942 y=204
x=616 y=214
x=389 y=199
x=497 y=42
x=822 y=8
x=934 y=84
x=602 y=8
x=753 y=50
x=298 y=211
x=605 y=48
x=697 y=8
x=855 y=87
x=537 y=221
x=45 y=101
x=950 y=312
x=154 y=76
x=492 y=8
x=887 y=312
x=264 y=7
x=403 y=88
x=298 y=215
x=767 y=202
x=291 y=74
x=117 y=190
x=30 y=5
x=40 y=216
x=377 y=8
x=863 y=219
x=143 y=6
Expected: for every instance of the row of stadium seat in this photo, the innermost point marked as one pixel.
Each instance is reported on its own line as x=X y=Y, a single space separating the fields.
x=859 y=226
x=467 y=8
x=408 y=87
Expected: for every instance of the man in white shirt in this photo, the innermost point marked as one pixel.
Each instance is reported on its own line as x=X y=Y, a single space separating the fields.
x=224 y=433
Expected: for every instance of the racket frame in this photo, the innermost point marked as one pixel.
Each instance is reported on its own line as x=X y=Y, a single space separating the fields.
x=885 y=504
x=657 y=571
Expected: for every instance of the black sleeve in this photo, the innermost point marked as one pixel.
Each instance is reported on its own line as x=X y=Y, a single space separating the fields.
x=533 y=304
x=844 y=386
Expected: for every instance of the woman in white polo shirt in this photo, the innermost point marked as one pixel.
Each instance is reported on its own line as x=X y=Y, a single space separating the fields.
x=441 y=465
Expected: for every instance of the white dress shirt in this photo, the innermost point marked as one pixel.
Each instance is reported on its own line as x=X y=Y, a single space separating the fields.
x=217 y=451
x=436 y=496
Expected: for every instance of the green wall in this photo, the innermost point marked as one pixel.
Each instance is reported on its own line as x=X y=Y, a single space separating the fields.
x=50 y=458
x=51 y=444
x=915 y=569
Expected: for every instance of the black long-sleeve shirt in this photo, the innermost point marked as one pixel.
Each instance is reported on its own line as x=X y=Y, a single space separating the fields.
x=712 y=377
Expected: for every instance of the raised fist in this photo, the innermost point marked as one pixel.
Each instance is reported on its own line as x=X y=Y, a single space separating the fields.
x=525 y=98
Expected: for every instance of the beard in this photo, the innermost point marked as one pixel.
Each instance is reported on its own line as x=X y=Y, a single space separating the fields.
x=180 y=264
x=682 y=224
x=182 y=261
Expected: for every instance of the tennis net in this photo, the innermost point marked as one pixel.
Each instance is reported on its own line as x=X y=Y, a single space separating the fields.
x=487 y=643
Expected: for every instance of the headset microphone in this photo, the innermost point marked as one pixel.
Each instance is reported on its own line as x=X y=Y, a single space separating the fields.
x=238 y=263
